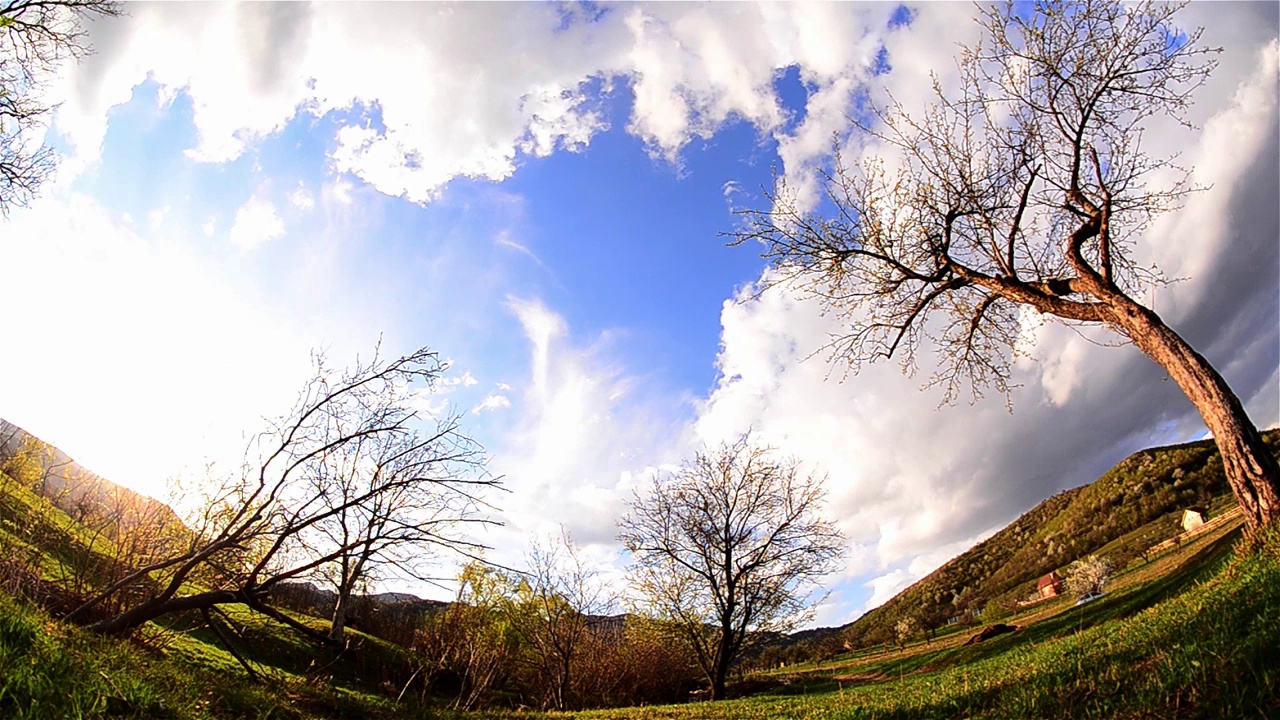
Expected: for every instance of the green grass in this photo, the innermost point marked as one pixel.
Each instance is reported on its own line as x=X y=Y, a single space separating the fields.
x=1201 y=642
x=50 y=671
x=175 y=668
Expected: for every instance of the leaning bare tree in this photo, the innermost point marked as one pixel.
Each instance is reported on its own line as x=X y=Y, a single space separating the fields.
x=36 y=37
x=730 y=549
x=387 y=496
x=1028 y=186
x=259 y=529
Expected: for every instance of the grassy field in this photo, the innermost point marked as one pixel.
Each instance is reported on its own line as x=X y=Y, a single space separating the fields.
x=1192 y=632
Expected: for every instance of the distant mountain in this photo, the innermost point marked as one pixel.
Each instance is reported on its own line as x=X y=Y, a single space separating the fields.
x=1135 y=505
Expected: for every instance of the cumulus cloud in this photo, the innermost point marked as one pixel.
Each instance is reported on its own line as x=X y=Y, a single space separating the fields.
x=302 y=199
x=256 y=222
x=491 y=84
x=465 y=380
x=491 y=402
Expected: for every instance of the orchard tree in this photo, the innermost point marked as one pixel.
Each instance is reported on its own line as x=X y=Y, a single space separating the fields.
x=1089 y=574
x=388 y=484
x=471 y=641
x=36 y=37
x=1027 y=187
x=554 y=610
x=729 y=549
x=259 y=528
x=903 y=630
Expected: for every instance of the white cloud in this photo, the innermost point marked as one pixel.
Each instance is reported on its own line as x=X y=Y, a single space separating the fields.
x=301 y=199
x=157 y=217
x=256 y=223
x=582 y=438
x=469 y=91
x=491 y=402
x=465 y=380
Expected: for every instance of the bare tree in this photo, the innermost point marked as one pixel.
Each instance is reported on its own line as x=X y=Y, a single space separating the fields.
x=1029 y=187
x=730 y=548
x=257 y=531
x=36 y=37
x=389 y=496
x=553 y=611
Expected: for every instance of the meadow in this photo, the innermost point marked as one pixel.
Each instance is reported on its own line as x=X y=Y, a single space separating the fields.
x=1191 y=633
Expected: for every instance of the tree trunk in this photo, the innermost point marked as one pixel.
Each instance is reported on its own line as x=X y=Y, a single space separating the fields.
x=562 y=685
x=338 y=622
x=1251 y=469
x=352 y=572
x=718 y=679
x=141 y=614
x=720 y=673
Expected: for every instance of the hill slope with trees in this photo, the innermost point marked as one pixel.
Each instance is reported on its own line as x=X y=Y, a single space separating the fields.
x=1135 y=505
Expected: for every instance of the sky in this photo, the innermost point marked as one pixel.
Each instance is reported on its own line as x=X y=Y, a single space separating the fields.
x=539 y=193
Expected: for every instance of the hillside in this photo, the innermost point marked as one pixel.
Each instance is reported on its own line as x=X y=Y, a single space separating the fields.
x=70 y=486
x=1135 y=505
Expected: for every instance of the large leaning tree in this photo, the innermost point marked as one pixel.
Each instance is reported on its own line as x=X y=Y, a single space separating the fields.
x=730 y=549
x=36 y=38
x=406 y=481
x=387 y=485
x=1027 y=187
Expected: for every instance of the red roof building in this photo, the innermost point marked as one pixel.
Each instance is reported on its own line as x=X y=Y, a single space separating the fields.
x=1050 y=585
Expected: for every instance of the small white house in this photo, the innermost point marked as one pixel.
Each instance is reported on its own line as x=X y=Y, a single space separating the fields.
x=1194 y=517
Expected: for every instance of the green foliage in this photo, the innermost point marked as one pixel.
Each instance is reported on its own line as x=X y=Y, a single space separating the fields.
x=24 y=466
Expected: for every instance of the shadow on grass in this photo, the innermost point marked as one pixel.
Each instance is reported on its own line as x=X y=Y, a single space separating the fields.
x=269 y=645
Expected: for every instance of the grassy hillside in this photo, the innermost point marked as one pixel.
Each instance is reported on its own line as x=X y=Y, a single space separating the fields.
x=75 y=489
x=1192 y=634
x=1133 y=506
x=177 y=668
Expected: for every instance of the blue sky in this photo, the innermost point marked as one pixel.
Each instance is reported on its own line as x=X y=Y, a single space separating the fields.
x=539 y=193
